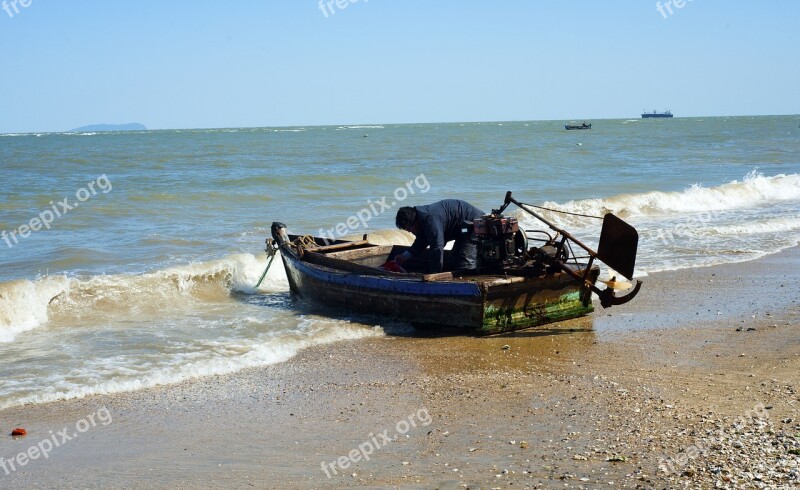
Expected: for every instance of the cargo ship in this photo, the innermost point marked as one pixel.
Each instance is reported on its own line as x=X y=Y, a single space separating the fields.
x=646 y=115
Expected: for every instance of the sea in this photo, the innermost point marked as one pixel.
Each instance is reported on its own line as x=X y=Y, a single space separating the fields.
x=130 y=259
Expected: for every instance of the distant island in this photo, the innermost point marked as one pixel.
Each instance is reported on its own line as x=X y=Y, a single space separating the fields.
x=110 y=127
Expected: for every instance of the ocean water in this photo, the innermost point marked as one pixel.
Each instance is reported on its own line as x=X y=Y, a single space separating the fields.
x=129 y=259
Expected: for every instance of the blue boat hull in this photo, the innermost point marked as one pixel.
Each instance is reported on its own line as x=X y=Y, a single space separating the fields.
x=478 y=305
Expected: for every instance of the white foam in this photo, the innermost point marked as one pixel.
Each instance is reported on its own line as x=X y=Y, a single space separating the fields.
x=23 y=304
x=696 y=227
x=754 y=190
x=26 y=305
x=242 y=272
x=773 y=225
x=223 y=358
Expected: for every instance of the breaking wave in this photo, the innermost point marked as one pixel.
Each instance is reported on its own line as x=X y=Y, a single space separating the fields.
x=117 y=333
x=754 y=190
x=699 y=226
x=28 y=304
x=121 y=374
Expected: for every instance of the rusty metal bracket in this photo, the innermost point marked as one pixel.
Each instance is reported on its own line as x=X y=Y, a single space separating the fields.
x=609 y=299
x=618 y=245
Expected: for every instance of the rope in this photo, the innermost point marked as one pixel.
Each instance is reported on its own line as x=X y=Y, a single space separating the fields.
x=562 y=212
x=271 y=253
x=306 y=241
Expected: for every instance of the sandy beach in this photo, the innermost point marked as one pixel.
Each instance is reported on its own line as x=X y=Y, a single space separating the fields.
x=694 y=384
x=156 y=331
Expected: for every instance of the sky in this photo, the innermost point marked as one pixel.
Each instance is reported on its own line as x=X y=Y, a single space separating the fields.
x=211 y=64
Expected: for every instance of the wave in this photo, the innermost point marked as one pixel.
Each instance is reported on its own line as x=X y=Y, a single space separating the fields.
x=365 y=126
x=217 y=359
x=696 y=227
x=726 y=217
x=754 y=190
x=26 y=305
x=774 y=225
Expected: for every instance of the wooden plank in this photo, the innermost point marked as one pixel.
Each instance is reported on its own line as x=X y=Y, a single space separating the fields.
x=439 y=276
x=507 y=280
x=360 y=253
x=340 y=246
x=342 y=265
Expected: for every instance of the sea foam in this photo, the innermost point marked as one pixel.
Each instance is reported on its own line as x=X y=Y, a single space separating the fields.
x=755 y=189
x=115 y=375
x=28 y=304
x=699 y=226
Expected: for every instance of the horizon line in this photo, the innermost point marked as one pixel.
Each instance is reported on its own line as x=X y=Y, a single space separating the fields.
x=377 y=124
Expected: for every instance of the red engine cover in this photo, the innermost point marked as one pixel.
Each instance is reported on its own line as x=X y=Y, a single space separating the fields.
x=495 y=226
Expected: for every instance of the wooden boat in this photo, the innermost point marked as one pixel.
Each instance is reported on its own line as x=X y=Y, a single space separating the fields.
x=569 y=127
x=523 y=288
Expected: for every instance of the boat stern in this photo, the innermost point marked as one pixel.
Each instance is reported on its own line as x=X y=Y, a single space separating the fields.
x=534 y=302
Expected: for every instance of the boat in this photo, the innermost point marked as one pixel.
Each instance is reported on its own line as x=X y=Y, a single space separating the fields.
x=648 y=115
x=515 y=287
x=577 y=126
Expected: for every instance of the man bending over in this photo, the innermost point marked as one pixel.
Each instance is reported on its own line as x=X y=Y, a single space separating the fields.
x=436 y=224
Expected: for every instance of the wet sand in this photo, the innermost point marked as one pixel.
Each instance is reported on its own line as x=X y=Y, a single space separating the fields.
x=698 y=375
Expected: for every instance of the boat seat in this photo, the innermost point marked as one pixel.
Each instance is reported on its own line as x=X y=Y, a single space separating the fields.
x=355 y=254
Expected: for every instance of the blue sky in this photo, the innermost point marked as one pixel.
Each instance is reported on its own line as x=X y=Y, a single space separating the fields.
x=182 y=64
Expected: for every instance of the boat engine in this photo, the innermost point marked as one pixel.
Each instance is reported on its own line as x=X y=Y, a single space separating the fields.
x=501 y=244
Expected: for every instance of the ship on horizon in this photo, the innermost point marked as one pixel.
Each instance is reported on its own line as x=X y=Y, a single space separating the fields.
x=646 y=115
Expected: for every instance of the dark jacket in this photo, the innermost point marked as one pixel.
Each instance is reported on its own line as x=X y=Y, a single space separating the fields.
x=439 y=223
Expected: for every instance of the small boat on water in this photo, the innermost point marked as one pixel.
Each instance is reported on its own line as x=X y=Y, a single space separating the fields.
x=569 y=127
x=654 y=114
x=516 y=286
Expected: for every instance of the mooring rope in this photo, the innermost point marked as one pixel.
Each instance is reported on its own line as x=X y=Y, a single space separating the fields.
x=306 y=241
x=271 y=253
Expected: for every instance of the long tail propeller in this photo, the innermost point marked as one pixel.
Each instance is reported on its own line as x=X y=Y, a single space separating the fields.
x=617 y=249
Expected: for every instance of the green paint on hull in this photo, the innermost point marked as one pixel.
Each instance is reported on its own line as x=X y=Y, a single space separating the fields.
x=567 y=306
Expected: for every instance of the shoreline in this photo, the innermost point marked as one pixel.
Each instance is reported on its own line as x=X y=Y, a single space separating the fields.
x=606 y=398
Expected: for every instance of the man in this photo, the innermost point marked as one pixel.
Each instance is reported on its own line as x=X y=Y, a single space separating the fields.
x=436 y=224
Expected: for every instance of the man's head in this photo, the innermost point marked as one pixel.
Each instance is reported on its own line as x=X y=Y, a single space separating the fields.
x=406 y=216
